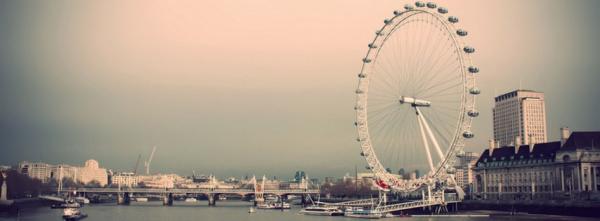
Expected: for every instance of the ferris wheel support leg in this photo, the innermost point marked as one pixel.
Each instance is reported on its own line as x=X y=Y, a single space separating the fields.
x=425 y=142
x=430 y=133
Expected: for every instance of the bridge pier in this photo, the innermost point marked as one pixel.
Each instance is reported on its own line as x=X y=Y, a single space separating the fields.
x=303 y=200
x=168 y=199
x=212 y=199
x=123 y=198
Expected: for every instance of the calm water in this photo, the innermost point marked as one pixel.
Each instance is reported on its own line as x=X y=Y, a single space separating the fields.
x=224 y=211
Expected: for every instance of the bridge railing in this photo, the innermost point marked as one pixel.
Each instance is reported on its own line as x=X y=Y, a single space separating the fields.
x=363 y=202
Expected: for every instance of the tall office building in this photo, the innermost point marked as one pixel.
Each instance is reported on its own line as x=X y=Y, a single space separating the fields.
x=520 y=118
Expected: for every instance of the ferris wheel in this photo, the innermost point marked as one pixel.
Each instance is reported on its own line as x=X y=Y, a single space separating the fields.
x=416 y=98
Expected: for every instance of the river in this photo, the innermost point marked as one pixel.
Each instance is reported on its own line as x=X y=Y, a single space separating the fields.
x=228 y=211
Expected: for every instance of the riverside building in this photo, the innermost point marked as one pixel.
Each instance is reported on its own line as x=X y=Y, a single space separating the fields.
x=47 y=172
x=565 y=169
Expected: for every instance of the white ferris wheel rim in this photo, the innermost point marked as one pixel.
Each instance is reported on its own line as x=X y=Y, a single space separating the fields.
x=467 y=100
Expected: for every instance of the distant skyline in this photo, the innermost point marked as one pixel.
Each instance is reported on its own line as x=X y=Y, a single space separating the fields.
x=254 y=87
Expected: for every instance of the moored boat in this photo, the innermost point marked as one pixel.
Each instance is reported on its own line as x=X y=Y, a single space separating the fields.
x=82 y=200
x=190 y=200
x=273 y=205
x=322 y=211
x=141 y=199
x=67 y=204
x=363 y=213
x=265 y=206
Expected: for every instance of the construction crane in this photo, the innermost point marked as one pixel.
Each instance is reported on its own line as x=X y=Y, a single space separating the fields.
x=137 y=163
x=147 y=163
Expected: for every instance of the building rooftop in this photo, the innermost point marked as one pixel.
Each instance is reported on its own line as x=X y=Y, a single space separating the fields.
x=583 y=140
x=513 y=94
x=507 y=153
x=577 y=140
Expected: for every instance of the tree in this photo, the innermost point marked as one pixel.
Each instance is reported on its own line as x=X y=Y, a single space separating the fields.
x=22 y=186
x=93 y=184
x=68 y=182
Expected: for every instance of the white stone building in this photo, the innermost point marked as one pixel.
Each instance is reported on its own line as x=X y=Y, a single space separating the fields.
x=36 y=170
x=46 y=172
x=569 y=168
x=92 y=172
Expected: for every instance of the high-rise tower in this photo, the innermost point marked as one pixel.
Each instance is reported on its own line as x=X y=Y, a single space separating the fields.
x=520 y=114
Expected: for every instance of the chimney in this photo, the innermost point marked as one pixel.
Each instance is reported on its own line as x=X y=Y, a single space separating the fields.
x=565 y=132
x=531 y=142
x=517 y=143
x=491 y=145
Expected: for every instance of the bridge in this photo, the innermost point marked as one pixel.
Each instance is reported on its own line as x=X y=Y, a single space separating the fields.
x=432 y=201
x=124 y=194
x=358 y=203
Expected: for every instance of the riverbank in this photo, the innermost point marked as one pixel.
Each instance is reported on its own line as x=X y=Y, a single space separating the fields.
x=15 y=205
x=566 y=208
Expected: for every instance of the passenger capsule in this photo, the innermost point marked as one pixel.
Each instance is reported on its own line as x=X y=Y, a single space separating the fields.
x=362 y=75
x=462 y=32
x=473 y=113
x=396 y=13
x=387 y=21
x=468 y=134
x=366 y=60
x=362 y=154
x=473 y=69
x=431 y=5
x=368 y=167
x=420 y=4
x=357 y=107
x=452 y=19
x=359 y=91
x=442 y=10
x=475 y=91
x=469 y=49
x=379 y=33
x=408 y=7
x=360 y=139
x=372 y=45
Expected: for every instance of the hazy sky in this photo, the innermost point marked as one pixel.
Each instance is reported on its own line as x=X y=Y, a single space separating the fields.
x=253 y=87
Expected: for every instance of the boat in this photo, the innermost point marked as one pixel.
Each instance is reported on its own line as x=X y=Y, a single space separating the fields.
x=363 y=213
x=265 y=206
x=322 y=211
x=251 y=210
x=71 y=214
x=273 y=205
x=222 y=197
x=141 y=199
x=271 y=198
x=190 y=200
x=282 y=205
x=82 y=200
x=70 y=203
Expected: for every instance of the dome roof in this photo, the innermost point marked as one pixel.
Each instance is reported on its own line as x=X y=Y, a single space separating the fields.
x=91 y=163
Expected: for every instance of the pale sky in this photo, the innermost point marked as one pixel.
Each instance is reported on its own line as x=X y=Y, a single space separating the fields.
x=253 y=87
